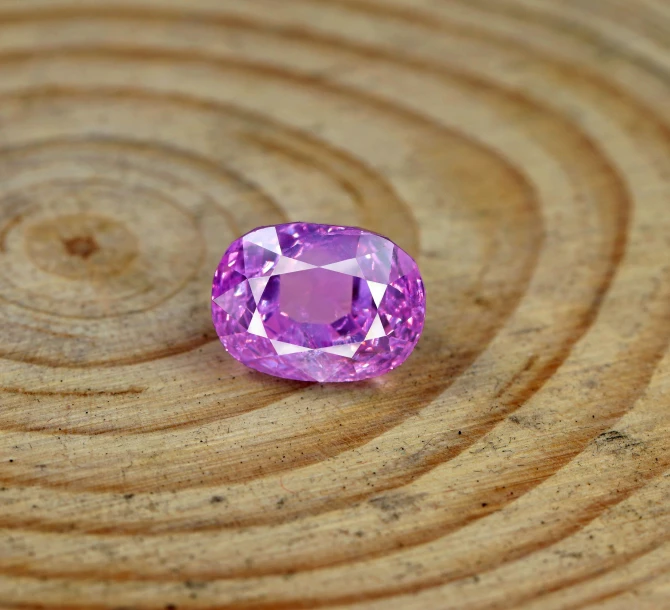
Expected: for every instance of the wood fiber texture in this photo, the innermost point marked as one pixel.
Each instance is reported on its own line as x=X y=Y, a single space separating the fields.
x=520 y=149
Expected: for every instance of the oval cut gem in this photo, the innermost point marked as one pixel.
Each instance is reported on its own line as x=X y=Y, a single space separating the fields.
x=318 y=302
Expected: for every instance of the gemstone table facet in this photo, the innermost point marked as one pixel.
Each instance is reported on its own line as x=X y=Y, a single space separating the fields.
x=318 y=302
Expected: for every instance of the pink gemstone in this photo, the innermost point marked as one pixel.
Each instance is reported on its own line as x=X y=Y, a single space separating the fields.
x=318 y=302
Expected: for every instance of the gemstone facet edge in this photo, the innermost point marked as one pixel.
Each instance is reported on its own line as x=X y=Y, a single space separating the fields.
x=320 y=303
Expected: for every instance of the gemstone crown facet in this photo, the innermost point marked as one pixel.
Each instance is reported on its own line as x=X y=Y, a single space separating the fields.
x=318 y=302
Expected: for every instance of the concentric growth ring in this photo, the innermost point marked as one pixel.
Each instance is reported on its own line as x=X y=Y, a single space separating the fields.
x=137 y=143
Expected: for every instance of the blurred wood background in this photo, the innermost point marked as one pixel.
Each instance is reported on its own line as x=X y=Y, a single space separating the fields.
x=520 y=149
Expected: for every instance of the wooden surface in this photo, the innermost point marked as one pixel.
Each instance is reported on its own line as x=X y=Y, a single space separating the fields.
x=519 y=148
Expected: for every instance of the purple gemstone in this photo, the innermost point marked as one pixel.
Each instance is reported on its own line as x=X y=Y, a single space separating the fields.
x=318 y=302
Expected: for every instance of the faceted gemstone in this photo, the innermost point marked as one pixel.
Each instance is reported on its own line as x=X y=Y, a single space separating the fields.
x=318 y=302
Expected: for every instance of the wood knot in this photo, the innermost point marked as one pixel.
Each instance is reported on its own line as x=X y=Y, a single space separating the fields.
x=82 y=246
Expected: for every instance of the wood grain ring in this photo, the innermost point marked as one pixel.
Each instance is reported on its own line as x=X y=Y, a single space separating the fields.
x=653 y=352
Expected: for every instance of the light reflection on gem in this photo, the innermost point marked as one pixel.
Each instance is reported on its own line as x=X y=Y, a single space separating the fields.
x=318 y=302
